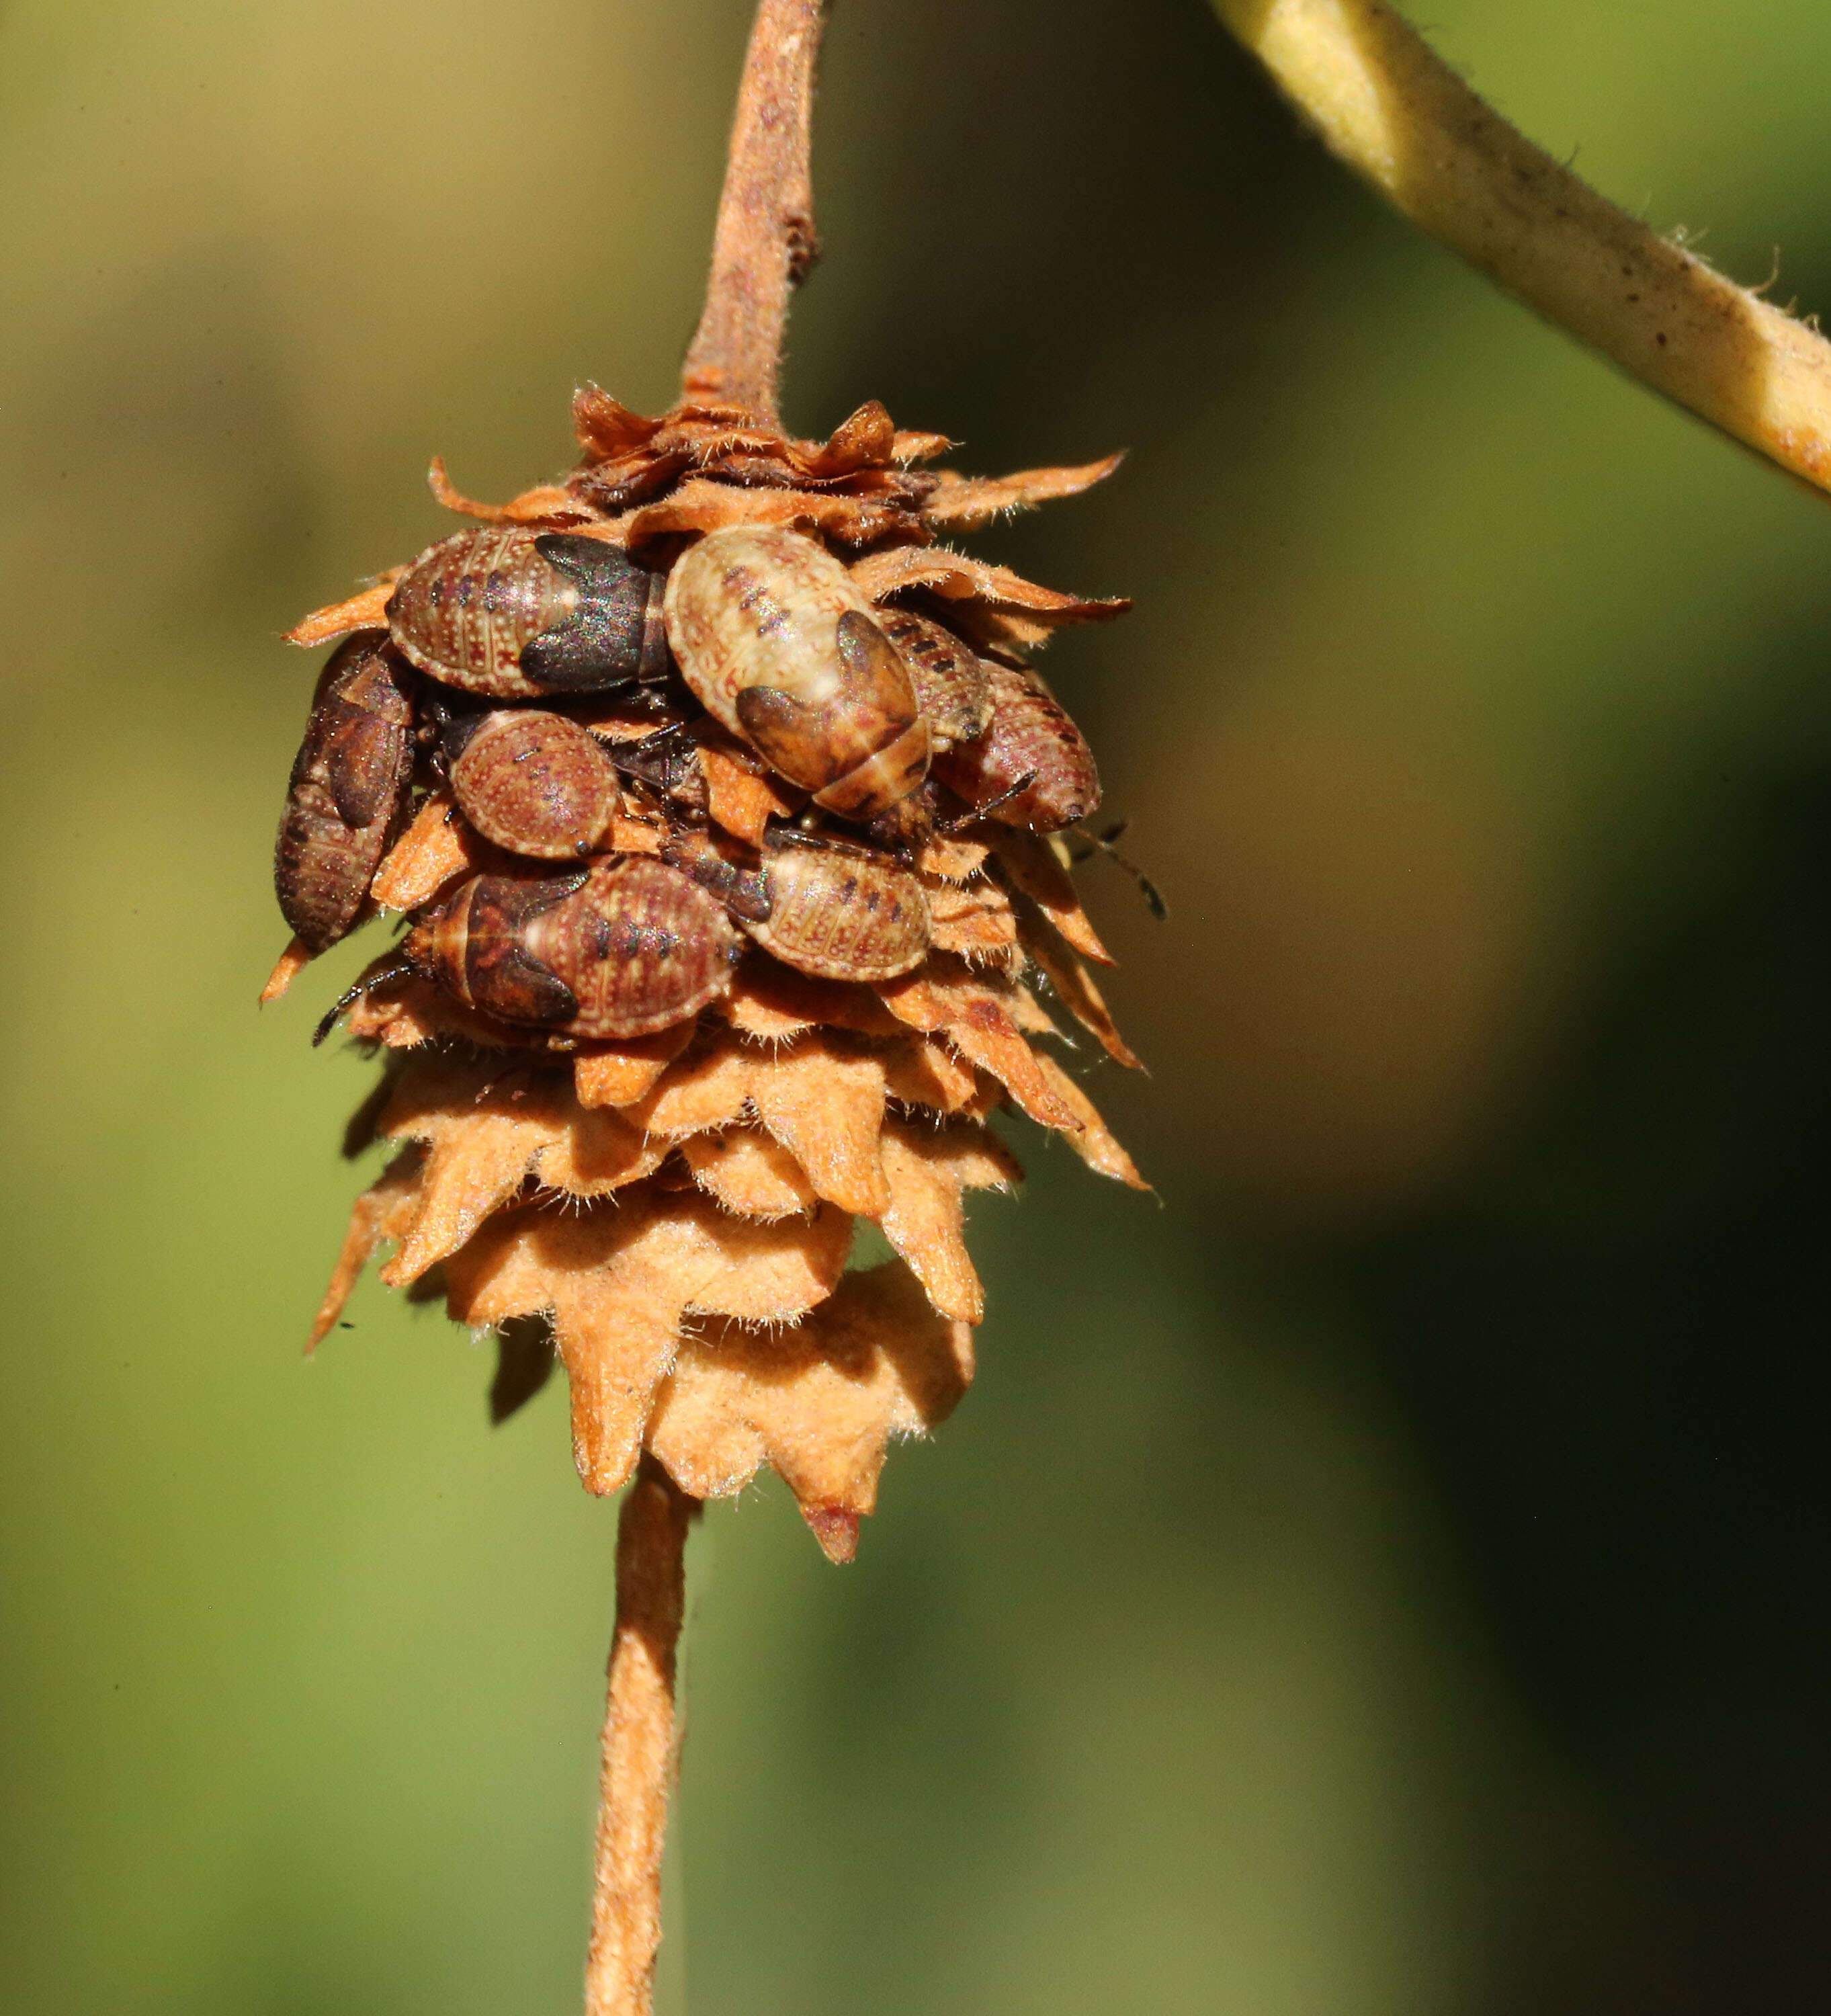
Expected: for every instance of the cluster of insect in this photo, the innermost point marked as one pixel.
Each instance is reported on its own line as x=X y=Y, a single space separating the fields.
x=566 y=701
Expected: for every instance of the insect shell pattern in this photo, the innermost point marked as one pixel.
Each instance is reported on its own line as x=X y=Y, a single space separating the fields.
x=877 y=723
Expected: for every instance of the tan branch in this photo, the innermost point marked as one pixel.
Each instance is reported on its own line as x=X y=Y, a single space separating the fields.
x=638 y=1766
x=1395 y=112
x=764 y=242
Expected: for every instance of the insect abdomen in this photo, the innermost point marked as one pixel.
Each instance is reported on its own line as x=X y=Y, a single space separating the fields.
x=1030 y=737
x=641 y=946
x=533 y=783
x=953 y=687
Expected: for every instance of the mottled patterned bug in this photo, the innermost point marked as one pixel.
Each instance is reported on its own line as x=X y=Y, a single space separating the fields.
x=532 y=782
x=622 y=948
x=837 y=911
x=348 y=782
x=1032 y=766
x=518 y=614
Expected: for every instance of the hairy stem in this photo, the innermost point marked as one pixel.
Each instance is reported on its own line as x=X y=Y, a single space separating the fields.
x=638 y=1745
x=1399 y=116
x=764 y=242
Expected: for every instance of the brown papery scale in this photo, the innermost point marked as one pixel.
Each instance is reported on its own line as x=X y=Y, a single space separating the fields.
x=621 y=950
x=518 y=614
x=1031 y=760
x=953 y=688
x=346 y=789
x=773 y=637
x=533 y=783
x=835 y=912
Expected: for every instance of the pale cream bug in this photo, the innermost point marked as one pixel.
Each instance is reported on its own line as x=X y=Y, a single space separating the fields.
x=835 y=912
x=774 y=638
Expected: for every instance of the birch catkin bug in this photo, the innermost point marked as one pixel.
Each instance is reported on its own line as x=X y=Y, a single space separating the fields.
x=348 y=784
x=1032 y=766
x=518 y=614
x=622 y=948
x=775 y=639
x=953 y=688
x=833 y=911
x=532 y=782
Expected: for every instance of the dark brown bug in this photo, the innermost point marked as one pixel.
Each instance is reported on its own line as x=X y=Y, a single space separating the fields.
x=833 y=911
x=348 y=782
x=663 y=768
x=523 y=615
x=953 y=688
x=532 y=782
x=1032 y=759
x=780 y=645
x=622 y=948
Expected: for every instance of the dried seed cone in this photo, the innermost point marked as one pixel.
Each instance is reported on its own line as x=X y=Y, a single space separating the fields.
x=680 y=1209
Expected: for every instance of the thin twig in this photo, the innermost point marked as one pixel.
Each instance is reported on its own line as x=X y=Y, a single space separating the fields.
x=638 y=1747
x=1395 y=112
x=761 y=250
x=764 y=242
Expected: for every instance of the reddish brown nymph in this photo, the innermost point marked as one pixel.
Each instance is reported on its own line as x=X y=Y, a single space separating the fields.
x=533 y=782
x=1032 y=758
x=622 y=950
x=348 y=784
x=522 y=615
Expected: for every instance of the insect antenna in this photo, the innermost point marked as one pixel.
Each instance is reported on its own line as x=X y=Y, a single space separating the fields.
x=973 y=814
x=396 y=968
x=1102 y=842
x=789 y=832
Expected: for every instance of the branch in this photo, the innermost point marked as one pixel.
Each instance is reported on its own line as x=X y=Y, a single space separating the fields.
x=637 y=1767
x=764 y=242
x=1400 y=117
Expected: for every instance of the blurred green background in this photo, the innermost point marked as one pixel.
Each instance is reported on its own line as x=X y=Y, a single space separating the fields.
x=1389 y=1576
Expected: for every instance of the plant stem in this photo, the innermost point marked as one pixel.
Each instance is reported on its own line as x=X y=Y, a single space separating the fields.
x=761 y=250
x=764 y=242
x=638 y=1743
x=1400 y=117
